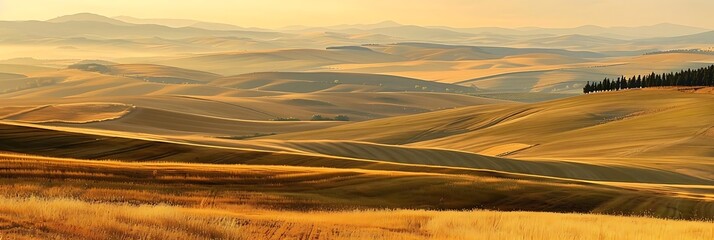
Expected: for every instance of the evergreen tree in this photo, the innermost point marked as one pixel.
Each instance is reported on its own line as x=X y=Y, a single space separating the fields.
x=690 y=77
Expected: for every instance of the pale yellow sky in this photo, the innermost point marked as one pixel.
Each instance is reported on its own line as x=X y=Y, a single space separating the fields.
x=457 y=13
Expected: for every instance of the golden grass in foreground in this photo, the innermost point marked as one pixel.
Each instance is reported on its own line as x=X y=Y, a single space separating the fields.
x=64 y=218
x=52 y=198
x=306 y=188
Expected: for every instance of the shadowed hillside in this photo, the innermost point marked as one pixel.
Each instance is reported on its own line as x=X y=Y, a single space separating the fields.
x=166 y=127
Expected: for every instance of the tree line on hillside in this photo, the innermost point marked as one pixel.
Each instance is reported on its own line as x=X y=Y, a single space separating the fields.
x=698 y=77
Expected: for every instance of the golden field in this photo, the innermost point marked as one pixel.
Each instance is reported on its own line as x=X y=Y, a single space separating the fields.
x=70 y=199
x=71 y=179
x=62 y=218
x=126 y=128
x=84 y=179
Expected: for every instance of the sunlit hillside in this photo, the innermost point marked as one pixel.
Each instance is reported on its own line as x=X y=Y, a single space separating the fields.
x=362 y=119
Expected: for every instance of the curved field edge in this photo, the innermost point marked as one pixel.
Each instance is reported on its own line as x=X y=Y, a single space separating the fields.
x=303 y=188
x=635 y=123
x=454 y=158
x=76 y=113
x=39 y=140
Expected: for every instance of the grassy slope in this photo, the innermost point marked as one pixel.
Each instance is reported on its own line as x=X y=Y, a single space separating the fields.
x=71 y=113
x=355 y=100
x=103 y=221
x=619 y=124
x=152 y=70
x=451 y=158
x=157 y=121
x=81 y=143
x=605 y=130
x=299 y=188
x=609 y=124
x=334 y=82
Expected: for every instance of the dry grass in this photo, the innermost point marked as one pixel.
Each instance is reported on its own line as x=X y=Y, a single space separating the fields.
x=631 y=153
x=43 y=197
x=63 y=218
x=310 y=188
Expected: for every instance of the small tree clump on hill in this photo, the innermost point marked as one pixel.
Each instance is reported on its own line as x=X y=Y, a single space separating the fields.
x=342 y=118
x=286 y=119
x=318 y=117
x=91 y=67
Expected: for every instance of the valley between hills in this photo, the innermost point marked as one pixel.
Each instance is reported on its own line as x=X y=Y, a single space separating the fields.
x=123 y=128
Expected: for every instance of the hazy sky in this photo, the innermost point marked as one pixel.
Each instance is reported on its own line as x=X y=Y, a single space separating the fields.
x=457 y=13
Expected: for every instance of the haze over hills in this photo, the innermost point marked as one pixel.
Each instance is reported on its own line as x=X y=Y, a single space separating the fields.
x=87 y=17
x=177 y=23
x=180 y=129
x=386 y=48
x=134 y=27
x=657 y=30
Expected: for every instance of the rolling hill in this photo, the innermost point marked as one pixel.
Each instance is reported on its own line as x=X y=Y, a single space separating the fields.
x=359 y=96
x=609 y=128
x=169 y=128
x=335 y=82
x=348 y=181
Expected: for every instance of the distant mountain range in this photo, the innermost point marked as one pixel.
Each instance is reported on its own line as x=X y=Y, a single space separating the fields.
x=77 y=29
x=97 y=26
x=391 y=27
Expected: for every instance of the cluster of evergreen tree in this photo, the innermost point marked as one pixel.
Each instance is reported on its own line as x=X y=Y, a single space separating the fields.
x=698 y=77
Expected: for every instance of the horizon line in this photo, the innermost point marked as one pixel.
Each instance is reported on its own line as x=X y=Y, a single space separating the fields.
x=365 y=23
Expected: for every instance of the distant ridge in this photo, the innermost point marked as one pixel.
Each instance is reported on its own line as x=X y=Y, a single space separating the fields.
x=382 y=24
x=88 y=17
x=650 y=31
x=393 y=28
x=177 y=23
